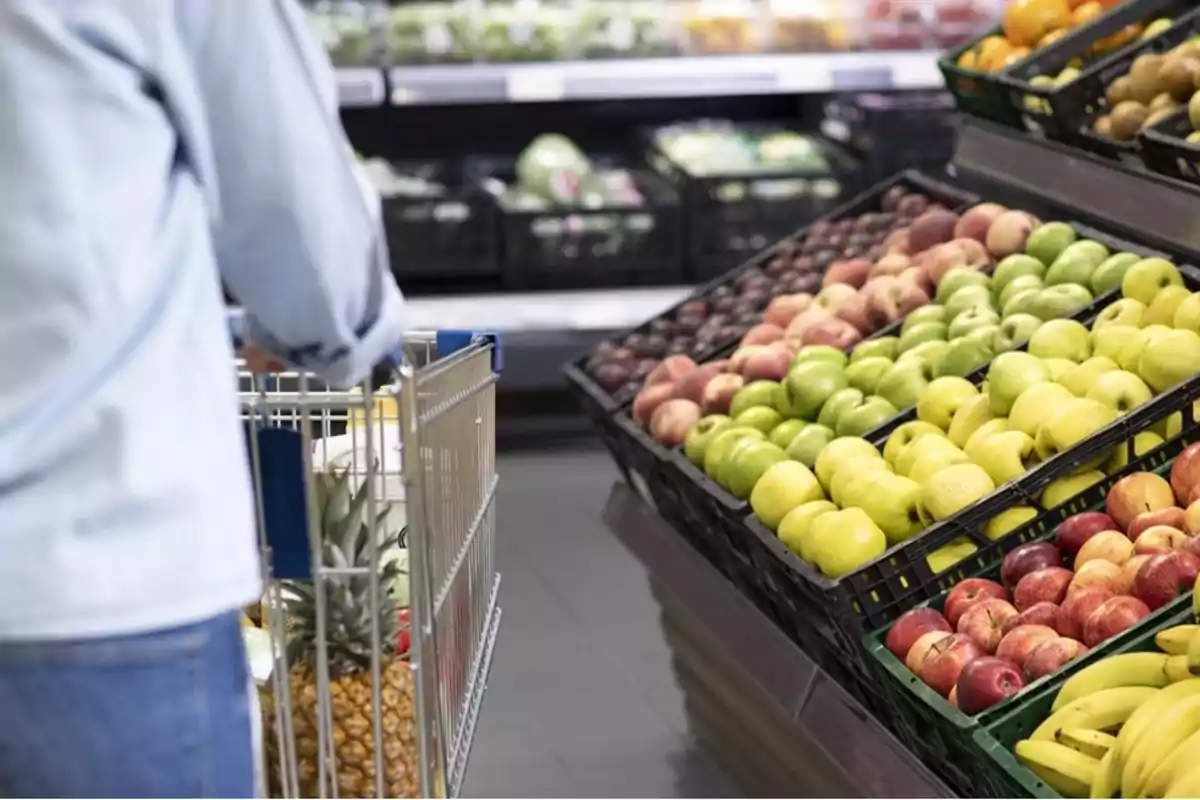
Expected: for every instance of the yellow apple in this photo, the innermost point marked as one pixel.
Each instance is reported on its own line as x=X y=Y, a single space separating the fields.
x=921 y=449
x=905 y=435
x=950 y=554
x=1034 y=404
x=1063 y=489
x=1008 y=521
x=795 y=527
x=954 y=488
x=1143 y=443
x=985 y=432
x=781 y=488
x=939 y=401
x=1070 y=424
x=843 y=541
x=839 y=451
x=1081 y=379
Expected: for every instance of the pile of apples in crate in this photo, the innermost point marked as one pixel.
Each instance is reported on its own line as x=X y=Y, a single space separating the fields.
x=1103 y=572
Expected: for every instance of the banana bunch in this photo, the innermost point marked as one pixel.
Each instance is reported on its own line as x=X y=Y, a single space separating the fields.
x=1128 y=725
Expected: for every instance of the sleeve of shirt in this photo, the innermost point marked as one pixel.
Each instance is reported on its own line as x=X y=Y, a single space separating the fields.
x=298 y=233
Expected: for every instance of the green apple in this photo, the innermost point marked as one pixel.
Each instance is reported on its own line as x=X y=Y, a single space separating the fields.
x=969 y=417
x=1148 y=277
x=1008 y=521
x=1130 y=356
x=1170 y=359
x=853 y=471
x=940 y=400
x=1015 y=330
x=702 y=435
x=1120 y=312
x=1108 y=275
x=783 y=487
x=902 y=384
x=919 y=334
x=1047 y=241
x=808 y=385
x=865 y=418
x=752 y=395
x=795 y=527
x=954 y=488
x=840 y=451
x=958 y=278
x=986 y=431
x=819 y=352
x=1120 y=390
x=925 y=448
x=1070 y=424
x=783 y=433
x=984 y=334
x=883 y=347
x=1033 y=405
x=1077 y=263
x=972 y=320
x=748 y=463
x=927 y=353
x=1007 y=456
x=1021 y=283
x=919 y=316
x=893 y=502
x=1062 y=338
x=968 y=297
x=1080 y=380
x=1143 y=443
x=1015 y=266
x=1063 y=489
x=1187 y=316
x=906 y=434
x=808 y=444
x=1010 y=374
x=865 y=373
x=1108 y=340
x=719 y=449
x=761 y=417
x=1162 y=308
x=1022 y=302
x=1055 y=302
x=1058 y=366
x=843 y=541
x=838 y=403
x=962 y=357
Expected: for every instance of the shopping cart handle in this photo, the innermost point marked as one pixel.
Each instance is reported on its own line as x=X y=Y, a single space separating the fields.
x=453 y=340
x=237 y=326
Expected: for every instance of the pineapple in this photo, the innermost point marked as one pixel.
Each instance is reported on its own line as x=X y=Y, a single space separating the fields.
x=348 y=644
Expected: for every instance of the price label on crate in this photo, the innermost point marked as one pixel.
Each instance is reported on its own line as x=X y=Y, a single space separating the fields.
x=540 y=84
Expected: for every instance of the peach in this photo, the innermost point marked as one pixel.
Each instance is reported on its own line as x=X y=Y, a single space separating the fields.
x=931 y=228
x=672 y=420
x=890 y=264
x=763 y=333
x=670 y=370
x=852 y=272
x=718 y=394
x=649 y=399
x=691 y=386
x=783 y=309
x=1007 y=234
x=975 y=221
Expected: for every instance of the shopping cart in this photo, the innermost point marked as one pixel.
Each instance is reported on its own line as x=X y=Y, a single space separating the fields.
x=377 y=522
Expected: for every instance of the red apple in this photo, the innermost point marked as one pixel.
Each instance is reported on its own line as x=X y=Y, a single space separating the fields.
x=984 y=621
x=986 y=681
x=673 y=420
x=1164 y=577
x=1018 y=643
x=967 y=593
x=1048 y=585
x=1037 y=614
x=1113 y=616
x=1159 y=539
x=1073 y=531
x=1191 y=517
x=953 y=698
x=911 y=626
x=921 y=649
x=1078 y=606
x=1111 y=546
x=1028 y=558
x=1185 y=473
x=1098 y=572
x=1173 y=517
x=944 y=663
x=1136 y=494
x=1049 y=656
x=1129 y=571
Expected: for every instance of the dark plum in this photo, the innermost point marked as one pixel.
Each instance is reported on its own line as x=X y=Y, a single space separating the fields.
x=655 y=346
x=623 y=355
x=646 y=366
x=686 y=325
x=912 y=205
x=823 y=259
x=692 y=308
x=809 y=282
x=803 y=264
x=723 y=305
x=637 y=343
x=612 y=377
x=893 y=197
x=778 y=266
x=662 y=327
x=680 y=345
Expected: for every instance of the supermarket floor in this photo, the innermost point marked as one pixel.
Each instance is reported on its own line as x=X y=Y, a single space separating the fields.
x=582 y=702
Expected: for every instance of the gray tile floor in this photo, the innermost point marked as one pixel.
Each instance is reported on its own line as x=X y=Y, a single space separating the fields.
x=582 y=702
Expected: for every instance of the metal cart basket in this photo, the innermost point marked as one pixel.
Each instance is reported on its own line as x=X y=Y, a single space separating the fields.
x=377 y=522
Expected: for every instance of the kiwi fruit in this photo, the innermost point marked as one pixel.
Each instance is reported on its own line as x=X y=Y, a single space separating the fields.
x=1127 y=119
x=1193 y=137
x=1178 y=74
x=1144 y=77
x=1066 y=76
x=1156 y=27
x=1163 y=101
x=1193 y=108
x=1118 y=90
x=1103 y=126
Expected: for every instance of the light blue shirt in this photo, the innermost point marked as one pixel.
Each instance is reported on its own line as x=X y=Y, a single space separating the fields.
x=149 y=148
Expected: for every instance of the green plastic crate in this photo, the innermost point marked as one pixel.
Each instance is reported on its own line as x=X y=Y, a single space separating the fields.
x=1007 y=776
x=944 y=736
x=977 y=93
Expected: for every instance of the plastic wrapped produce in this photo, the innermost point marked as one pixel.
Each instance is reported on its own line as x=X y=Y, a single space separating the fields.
x=346 y=29
x=623 y=29
x=429 y=33
x=525 y=30
x=722 y=26
x=810 y=26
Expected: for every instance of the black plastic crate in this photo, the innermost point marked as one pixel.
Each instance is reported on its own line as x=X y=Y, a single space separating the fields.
x=892 y=132
x=977 y=93
x=732 y=215
x=1165 y=150
x=448 y=236
x=1061 y=112
x=585 y=247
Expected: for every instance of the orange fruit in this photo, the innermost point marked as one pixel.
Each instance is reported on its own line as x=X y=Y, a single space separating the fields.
x=990 y=48
x=1050 y=38
x=1086 y=12
x=1014 y=56
x=969 y=59
x=1119 y=39
x=1027 y=21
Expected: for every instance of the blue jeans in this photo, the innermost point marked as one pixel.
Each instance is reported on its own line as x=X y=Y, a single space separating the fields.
x=164 y=714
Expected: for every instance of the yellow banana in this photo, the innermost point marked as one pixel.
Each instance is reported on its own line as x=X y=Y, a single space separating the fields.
x=1179 y=761
x=1177 y=668
x=1186 y=785
x=1102 y=711
x=1193 y=654
x=1141 y=718
x=1091 y=743
x=1164 y=734
x=1127 y=669
x=1174 y=641
x=1067 y=771
x=1106 y=781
